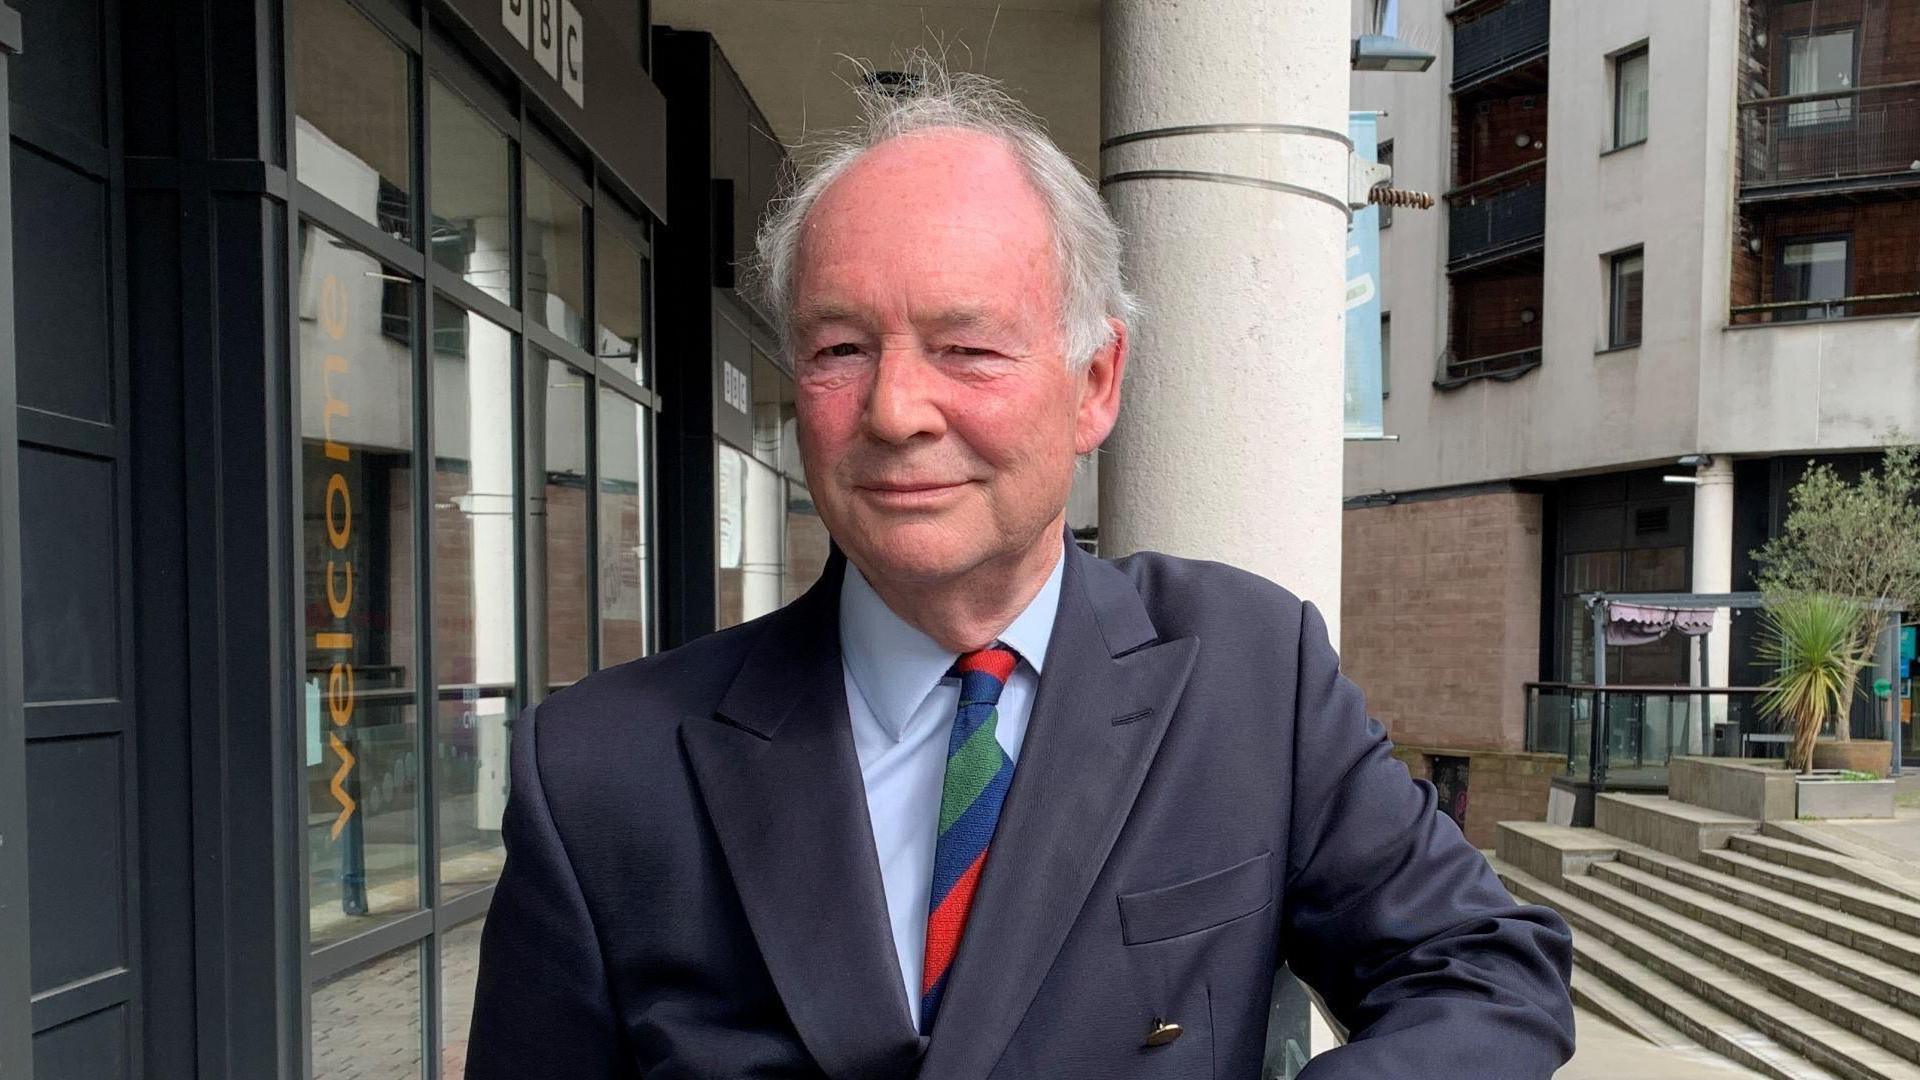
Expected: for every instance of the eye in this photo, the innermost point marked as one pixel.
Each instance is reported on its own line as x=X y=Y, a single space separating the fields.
x=968 y=350
x=844 y=348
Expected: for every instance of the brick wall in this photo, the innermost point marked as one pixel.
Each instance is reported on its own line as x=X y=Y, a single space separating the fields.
x=1888 y=36
x=1491 y=128
x=1500 y=786
x=1884 y=236
x=1440 y=616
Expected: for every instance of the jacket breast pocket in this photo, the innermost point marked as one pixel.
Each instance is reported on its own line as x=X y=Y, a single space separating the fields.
x=1200 y=904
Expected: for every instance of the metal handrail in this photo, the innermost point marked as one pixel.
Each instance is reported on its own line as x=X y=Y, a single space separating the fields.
x=1865 y=298
x=1822 y=95
x=1488 y=181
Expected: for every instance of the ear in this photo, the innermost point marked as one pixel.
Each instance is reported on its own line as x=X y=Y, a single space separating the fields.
x=1100 y=391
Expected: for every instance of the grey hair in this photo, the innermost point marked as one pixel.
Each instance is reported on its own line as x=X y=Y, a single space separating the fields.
x=1086 y=239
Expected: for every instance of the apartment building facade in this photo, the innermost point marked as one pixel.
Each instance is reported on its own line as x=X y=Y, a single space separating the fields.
x=1673 y=263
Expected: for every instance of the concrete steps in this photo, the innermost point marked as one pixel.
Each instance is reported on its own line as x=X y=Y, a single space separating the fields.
x=1869 y=904
x=1873 y=1004
x=1788 y=850
x=1660 y=823
x=1596 y=954
x=1845 y=934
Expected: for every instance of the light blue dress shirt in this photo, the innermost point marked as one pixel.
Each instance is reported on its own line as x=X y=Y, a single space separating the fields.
x=902 y=705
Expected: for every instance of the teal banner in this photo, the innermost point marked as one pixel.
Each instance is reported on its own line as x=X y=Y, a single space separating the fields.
x=1363 y=404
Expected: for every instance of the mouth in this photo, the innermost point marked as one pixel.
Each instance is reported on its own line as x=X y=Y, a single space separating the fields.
x=910 y=493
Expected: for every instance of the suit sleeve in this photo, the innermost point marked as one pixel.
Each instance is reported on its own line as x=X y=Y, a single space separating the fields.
x=542 y=1009
x=1397 y=921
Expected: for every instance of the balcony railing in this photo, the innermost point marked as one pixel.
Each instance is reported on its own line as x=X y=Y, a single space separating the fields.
x=1483 y=227
x=1507 y=36
x=1623 y=736
x=1838 y=307
x=1841 y=138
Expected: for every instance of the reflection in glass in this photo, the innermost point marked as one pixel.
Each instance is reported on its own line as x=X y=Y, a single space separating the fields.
x=366 y=1020
x=353 y=121
x=459 y=964
x=556 y=479
x=357 y=549
x=556 y=256
x=619 y=285
x=807 y=542
x=767 y=393
x=748 y=498
x=472 y=232
x=473 y=602
x=626 y=523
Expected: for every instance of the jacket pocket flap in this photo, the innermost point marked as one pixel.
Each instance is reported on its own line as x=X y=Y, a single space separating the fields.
x=1199 y=904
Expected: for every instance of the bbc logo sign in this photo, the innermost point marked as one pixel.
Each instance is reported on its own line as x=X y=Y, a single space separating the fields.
x=553 y=32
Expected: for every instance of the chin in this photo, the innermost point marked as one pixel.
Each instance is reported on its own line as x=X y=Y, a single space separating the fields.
x=914 y=551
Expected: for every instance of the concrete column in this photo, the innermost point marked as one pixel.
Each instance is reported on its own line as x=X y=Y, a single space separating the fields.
x=1713 y=567
x=1230 y=440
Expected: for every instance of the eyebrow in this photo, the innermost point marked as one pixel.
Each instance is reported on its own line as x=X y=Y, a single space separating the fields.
x=810 y=317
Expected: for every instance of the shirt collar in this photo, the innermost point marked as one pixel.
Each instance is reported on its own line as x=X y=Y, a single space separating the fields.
x=895 y=666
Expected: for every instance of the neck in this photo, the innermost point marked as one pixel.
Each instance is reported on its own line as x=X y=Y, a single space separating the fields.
x=971 y=609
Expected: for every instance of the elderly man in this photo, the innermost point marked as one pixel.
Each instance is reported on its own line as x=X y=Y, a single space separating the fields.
x=980 y=804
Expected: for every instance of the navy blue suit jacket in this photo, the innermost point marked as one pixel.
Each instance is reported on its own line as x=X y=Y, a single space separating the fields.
x=691 y=888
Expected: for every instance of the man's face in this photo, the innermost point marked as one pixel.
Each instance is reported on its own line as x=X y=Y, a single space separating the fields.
x=939 y=420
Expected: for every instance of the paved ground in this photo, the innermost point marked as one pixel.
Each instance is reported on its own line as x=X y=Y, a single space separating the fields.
x=366 y=1023
x=1896 y=839
x=1605 y=1052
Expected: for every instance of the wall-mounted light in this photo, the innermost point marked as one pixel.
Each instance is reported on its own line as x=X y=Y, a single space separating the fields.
x=1527 y=316
x=1753 y=244
x=1378 y=52
x=1522 y=140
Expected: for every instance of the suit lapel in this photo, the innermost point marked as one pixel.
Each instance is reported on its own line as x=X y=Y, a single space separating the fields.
x=780 y=779
x=1109 y=689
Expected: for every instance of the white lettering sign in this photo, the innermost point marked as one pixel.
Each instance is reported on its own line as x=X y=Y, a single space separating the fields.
x=735 y=388
x=546 y=35
x=513 y=16
x=573 y=59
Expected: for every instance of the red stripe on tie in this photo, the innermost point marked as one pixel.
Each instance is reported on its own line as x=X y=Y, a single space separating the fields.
x=946 y=922
x=997 y=662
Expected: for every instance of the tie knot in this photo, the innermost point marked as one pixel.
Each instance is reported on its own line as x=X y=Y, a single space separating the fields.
x=983 y=673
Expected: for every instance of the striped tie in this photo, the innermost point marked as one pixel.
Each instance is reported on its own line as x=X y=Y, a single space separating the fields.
x=978 y=772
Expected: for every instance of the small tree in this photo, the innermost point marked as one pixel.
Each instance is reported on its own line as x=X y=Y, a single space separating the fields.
x=1812 y=641
x=1856 y=541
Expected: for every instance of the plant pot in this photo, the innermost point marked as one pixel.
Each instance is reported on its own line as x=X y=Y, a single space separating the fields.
x=1862 y=755
x=1827 y=795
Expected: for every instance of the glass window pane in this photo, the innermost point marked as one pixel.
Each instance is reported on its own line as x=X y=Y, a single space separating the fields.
x=559 y=606
x=1627 y=300
x=619 y=284
x=1817 y=63
x=459 y=966
x=471 y=162
x=807 y=542
x=473 y=602
x=357 y=543
x=767 y=433
x=1630 y=100
x=366 y=1020
x=556 y=256
x=1812 y=270
x=748 y=497
x=353 y=114
x=626 y=525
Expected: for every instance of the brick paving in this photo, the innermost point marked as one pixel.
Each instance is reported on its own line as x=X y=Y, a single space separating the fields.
x=366 y=1023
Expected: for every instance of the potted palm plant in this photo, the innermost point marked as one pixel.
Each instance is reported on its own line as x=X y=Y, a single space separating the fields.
x=1812 y=642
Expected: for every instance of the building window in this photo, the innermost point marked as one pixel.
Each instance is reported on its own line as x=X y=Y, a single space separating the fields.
x=1817 y=63
x=1625 y=292
x=1630 y=97
x=1813 y=269
x=1384 y=155
x=353 y=114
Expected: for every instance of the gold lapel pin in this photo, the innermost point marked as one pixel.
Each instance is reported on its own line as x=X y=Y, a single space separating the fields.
x=1163 y=1033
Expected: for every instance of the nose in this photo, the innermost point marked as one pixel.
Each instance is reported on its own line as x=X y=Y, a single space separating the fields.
x=902 y=403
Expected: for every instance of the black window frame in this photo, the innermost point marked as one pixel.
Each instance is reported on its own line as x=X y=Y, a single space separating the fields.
x=1805 y=313
x=1383 y=154
x=1619 y=60
x=1615 y=314
x=1785 y=88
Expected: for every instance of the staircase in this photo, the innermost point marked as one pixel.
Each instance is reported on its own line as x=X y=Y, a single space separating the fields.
x=1762 y=944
